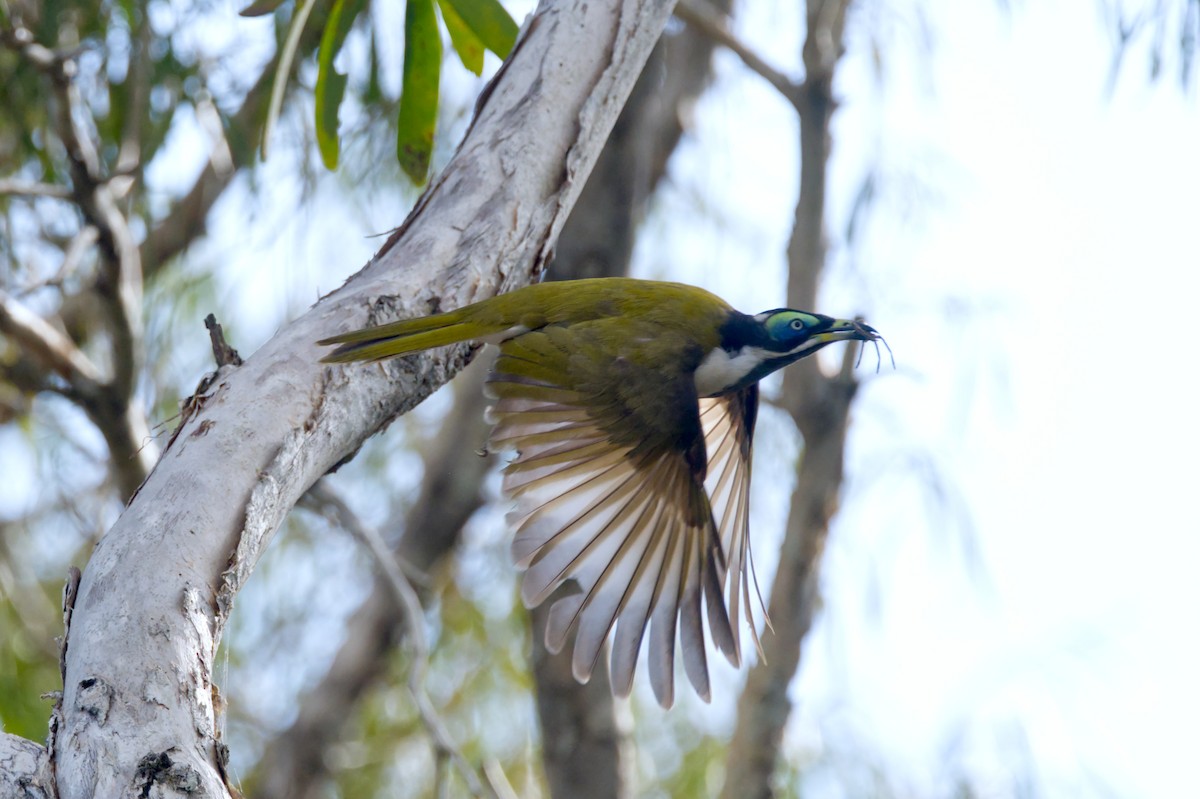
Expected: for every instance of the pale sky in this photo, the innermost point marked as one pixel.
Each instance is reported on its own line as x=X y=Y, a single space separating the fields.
x=1037 y=300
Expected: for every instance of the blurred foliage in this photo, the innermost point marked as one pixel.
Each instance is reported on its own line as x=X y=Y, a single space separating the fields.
x=472 y=25
x=29 y=667
x=479 y=679
x=140 y=66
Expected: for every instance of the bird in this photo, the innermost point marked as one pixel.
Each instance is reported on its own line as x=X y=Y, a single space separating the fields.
x=631 y=407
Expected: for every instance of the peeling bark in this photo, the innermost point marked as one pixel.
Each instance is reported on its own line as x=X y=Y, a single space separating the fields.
x=26 y=769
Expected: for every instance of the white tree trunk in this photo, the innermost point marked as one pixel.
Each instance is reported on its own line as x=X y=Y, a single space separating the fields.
x=137 y=713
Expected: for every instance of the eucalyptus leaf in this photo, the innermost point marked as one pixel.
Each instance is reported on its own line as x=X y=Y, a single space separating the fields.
x=260 y=7
x=488 y=20
x=419 y=93
x=331 y=85
x=468 y=46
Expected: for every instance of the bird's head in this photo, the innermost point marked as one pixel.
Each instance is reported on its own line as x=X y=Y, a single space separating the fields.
x=753 y=347
x=792 y=334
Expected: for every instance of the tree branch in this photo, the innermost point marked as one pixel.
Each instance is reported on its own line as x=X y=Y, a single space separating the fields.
x=139 y=669
x=25 y=768
x=820 y=407
x=587 y=750
x=121 y=272
x=80 y=243
x=123 y=425
x=765 y=707
x=324 y=500
x=44 y=343
x=9 y=187
x=597 y=241
x=110 y=403
x=714 y=23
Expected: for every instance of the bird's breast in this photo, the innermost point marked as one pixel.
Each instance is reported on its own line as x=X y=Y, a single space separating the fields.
x=724 y=369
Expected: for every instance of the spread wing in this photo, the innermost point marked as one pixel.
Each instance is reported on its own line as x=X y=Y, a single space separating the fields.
x=728 y=424
x=610 y=484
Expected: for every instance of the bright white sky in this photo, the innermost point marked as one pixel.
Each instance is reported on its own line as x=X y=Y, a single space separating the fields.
x=1038 y=300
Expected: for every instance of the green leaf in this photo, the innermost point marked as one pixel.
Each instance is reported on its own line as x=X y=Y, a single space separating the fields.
x=260 y=7
x=419 y=93
x=331 y=85
x=488 y=20
x=373 y=92
x=466 y=44
x=331 y=88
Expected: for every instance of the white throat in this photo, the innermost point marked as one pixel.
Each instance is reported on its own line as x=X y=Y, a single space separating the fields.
x=722 y=369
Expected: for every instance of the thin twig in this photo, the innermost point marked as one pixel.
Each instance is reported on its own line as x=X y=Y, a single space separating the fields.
x=47 y=345
x=324 y=500
x=83 y=241
x=23 y=189
x=714 y=24
x=20 y=39
x=73 y=253
x=498 y=779
x=223 y=353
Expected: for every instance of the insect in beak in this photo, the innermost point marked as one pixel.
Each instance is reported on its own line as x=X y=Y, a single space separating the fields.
x=868 y=333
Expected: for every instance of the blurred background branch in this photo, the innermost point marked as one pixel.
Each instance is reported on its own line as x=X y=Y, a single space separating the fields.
x=108 y=401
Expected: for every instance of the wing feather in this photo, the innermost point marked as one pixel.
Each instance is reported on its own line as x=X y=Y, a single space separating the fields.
x=728 y=424
x=629 y=523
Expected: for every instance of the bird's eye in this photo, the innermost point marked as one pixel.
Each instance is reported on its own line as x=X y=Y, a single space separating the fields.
x=789 y=327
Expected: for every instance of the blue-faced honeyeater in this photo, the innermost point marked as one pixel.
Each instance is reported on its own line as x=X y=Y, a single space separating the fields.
x=631 y=407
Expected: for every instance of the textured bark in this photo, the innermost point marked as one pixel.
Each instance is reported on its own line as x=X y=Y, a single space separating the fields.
x=26 y=769
x=137 y=715
x=820 y=408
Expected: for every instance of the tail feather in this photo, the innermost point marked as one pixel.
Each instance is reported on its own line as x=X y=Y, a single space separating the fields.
x=400 y=338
